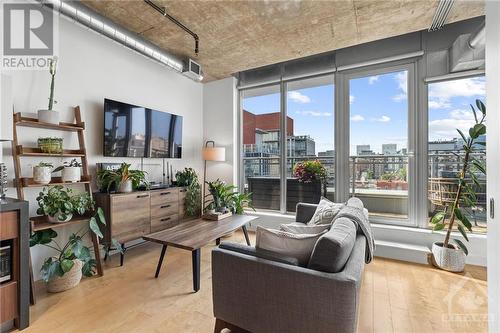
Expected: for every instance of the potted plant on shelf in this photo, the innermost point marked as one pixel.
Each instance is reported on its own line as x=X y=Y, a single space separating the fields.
x=42 y=173
x=70 y=171
x=189 y=179
x=50 y=145
x=64 y=270
x=447 y=255
x=123 y=180
x=55 y=203
x=50 y=115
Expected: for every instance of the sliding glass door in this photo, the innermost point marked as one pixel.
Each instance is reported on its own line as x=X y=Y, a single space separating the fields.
x=380 y=144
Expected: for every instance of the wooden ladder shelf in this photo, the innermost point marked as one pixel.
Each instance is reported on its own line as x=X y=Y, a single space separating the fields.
x=18 y=151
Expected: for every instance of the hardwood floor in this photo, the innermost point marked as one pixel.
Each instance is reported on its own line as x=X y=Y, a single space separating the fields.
x=396 y=297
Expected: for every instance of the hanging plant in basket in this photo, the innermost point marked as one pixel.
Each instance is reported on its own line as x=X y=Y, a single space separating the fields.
x=450 y=254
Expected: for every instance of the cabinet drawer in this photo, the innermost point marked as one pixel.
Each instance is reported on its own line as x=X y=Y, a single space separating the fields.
x=161 y=223
x=165 y=209
x=9 y=228
x=131 y=216
x=159 y=197
x=8 y=301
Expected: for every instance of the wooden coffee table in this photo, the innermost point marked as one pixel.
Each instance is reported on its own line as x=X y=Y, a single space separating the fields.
x=195 y=234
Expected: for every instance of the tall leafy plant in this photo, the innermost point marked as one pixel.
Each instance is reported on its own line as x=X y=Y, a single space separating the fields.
x=189 y=179
x=465 y=195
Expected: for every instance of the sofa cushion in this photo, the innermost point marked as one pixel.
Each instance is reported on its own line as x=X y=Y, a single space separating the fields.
x=298 y=246
x=332 y=250
x=259 y=253
x=325 y=212
x=301 y=228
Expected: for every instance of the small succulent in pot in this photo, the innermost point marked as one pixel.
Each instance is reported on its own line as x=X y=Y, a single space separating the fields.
x=71 y=171
x=42 y=173
x=50 y=145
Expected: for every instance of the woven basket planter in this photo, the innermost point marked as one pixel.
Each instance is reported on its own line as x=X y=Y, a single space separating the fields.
x=449 y=259
x=69 y=280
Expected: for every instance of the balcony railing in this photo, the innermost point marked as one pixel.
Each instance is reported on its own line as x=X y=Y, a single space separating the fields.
x=381 y=180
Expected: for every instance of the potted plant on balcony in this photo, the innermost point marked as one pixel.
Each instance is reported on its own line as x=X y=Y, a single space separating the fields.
x=447 y=255
x=50 y=115
x=189 y=179
x=71 y=171
x=42 y=173
x=310 y=180
x=123 y=180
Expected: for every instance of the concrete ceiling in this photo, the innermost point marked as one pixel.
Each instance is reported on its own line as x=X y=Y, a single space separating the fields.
x=240 y=35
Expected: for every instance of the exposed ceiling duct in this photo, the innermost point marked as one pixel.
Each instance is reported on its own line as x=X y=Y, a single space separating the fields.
x=442 y=12
x=468 y=51
x=87 y=17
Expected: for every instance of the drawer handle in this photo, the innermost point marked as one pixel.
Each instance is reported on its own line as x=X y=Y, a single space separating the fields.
x=165 y=219
x=165 y=193
x=143 y=196
x=182 y=190
x=165 y=206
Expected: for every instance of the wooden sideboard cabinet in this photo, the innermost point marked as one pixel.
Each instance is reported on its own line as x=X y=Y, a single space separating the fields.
x=14 y=258
x=129 y=216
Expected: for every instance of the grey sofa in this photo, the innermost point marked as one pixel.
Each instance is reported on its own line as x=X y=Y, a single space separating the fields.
x=260 y=294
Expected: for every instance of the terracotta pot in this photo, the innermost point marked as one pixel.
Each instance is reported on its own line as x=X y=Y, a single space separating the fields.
x=48 y=116
x=450 y=259
x=69 y=280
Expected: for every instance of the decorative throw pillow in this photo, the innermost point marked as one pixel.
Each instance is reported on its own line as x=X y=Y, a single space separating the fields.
x=298 y=246
x=325 y=212
x=301 y=228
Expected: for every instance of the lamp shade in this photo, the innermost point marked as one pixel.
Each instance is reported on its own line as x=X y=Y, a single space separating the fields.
x=214 y=154
x=6 y=106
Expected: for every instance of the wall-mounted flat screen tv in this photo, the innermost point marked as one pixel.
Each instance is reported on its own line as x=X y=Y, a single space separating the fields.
x=136 y=131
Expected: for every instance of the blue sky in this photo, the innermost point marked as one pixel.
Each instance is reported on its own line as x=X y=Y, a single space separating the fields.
x=378 y=110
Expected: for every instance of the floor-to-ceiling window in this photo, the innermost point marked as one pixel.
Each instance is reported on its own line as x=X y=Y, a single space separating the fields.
x=261 y=119
x=379 y=142
x=310 y=114
x=449 y=111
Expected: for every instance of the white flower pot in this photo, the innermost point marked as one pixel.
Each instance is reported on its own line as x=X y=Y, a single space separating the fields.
x=48 y=116
x=71 y=174
x=125 y=187
x=69 y=280
x=449 y=259
x=56 y=218
x=42 y=175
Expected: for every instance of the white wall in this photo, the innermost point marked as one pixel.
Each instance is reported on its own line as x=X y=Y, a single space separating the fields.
x=220 y=125
x=91 y=68
x=492 y=151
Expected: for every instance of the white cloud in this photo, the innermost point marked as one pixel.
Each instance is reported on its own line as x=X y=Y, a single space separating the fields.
x=298 y=97
x=383 y=119
x=314 y=113
x=373 y=79
x=441 y=93
x=351 y=99
x=402 y=81
x=439 y=104
x=446 y=129
x=357 y=117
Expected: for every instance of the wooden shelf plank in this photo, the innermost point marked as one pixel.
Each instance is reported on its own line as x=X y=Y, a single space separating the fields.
x=28 y=151
x=29 y=182
x=42 y=223
x=33 y=122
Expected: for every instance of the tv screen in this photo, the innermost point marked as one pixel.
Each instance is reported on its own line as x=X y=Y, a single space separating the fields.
x=135 y=131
